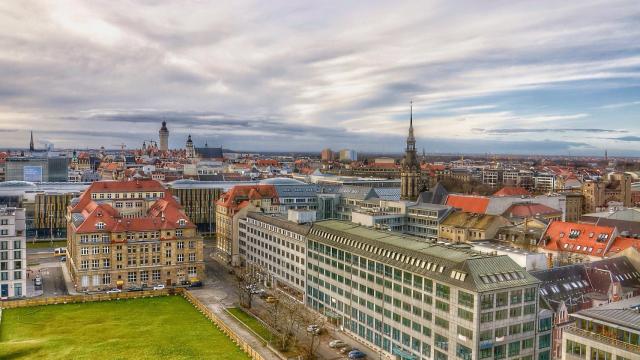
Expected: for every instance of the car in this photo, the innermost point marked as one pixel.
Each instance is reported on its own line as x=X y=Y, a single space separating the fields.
x=63 y=258
x=38 y=281
x=114 y=291
x=271 y=300
x=346 y=349
x=158 y=287
x=257 y=291
x=357 y=354
x=337 y=344
x=135 y=288
x=195 y=283
x=315 y=329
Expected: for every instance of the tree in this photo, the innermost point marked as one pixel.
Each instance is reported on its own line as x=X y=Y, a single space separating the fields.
x=284 y=316
x=247 y=280
x=310 y=344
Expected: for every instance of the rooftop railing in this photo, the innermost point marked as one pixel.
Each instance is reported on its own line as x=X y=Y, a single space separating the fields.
x=603 y=339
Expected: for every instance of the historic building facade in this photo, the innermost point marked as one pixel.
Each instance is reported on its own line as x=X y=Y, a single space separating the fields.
x=410 y=183
x=130 y=233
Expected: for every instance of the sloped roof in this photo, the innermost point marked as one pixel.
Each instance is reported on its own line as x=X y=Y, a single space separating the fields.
x=512 y=191
x=587 y=239
x=470 y=220
x=241 y=193
x=530 y=210
x=468 y=203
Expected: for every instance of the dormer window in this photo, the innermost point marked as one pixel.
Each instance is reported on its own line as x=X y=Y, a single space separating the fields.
x=100 y=225
x=182 y=222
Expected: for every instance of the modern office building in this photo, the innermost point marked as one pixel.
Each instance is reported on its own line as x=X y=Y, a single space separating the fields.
x=130 y=233
x=608 y=332
x=13 y=253
x=278 y=247
x=412 y=299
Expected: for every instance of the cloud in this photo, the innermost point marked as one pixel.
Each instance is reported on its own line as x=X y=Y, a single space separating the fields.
x=543 y=130
x=627 y=138
x=315 y=75
x=620 y=105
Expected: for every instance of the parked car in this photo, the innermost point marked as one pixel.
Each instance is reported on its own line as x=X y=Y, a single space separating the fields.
x=195 y=282
x=135 y=288
x=357 y=354
x=38 y=281
x=337 y=344
x=271 y=300
x=314 y=329
x=158 y=287
x=345 y=350
x=114 y=291
x=63 y=258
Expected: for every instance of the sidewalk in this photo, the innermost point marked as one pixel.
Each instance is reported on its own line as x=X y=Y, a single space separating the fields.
x=71 y=289
x=239 y=329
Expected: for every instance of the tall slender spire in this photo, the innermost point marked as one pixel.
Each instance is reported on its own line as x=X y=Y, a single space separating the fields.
x=31 y=145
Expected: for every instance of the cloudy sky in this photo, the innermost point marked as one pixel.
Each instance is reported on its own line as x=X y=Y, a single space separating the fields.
x=484 y=76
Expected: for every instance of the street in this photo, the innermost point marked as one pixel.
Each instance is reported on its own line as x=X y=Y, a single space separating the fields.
x=42 y=262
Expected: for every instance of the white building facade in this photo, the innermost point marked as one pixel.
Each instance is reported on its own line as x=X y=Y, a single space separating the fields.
x=13 y=253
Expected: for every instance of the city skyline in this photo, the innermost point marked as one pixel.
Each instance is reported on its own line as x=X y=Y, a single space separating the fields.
x=504 y=78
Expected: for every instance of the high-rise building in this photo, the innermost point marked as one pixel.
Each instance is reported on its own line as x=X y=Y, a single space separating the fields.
x=13 y=253
x=326 y=154
x=130 y=233
x=410 y=173
x=164 y=137
x=348 y=155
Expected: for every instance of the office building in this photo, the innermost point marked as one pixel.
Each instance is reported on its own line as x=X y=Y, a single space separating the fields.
x=13 y=253
x=277 y=247
x=347 y=155
x=130 y=233
x=412 y=299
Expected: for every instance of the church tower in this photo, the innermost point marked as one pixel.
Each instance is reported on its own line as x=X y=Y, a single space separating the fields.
x=32 y=146
x=190 y=150
x=410 y=172
x=164 y=137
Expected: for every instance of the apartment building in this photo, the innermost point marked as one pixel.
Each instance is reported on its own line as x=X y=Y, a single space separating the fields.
x=278 y=248
x=130 y=233
x=13 y=253
x=412 y=299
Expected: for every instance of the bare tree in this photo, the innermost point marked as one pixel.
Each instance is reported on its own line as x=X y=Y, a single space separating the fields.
x=247 y=280
x=284 y=316
x=310 y=344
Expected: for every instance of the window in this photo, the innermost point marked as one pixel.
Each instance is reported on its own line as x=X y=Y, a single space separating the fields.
x=545 y=341
x=514 y=348
x=464 y=314
x=155 y=275
x=441 y=342
x=465 y=299
x=463 y=352
x=441 y=322
x=465 y=333
x=144 y=276
x=131 y=276
x=516 y=297
x=486 y=317
x=106 y=279
x=527 y=343
x=528 y=326
x=501 y=299
x=499 y=352
x=442 y=291
x=100 y=226
x=515 y=312
x=180 y=257
x=486 y=301
x=501 y=315
x=84 y=251
x=441 y=305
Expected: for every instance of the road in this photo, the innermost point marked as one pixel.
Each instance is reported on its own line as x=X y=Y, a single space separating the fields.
x=42 y=262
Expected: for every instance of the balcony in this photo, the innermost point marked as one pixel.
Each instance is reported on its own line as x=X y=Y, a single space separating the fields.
x=603 y=339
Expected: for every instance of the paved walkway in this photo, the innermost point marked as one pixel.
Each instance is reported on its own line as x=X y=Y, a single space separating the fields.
x=212 y=302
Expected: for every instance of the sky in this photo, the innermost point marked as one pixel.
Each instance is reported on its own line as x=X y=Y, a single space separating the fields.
x=520 y=77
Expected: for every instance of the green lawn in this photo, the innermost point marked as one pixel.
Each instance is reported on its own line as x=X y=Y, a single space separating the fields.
x=152 y=328
x=46 y=244
x=251 y=322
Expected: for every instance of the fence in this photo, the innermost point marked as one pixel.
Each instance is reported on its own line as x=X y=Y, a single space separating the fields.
x=70 y=299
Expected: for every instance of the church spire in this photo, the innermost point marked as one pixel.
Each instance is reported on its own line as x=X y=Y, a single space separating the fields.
x=31 y=145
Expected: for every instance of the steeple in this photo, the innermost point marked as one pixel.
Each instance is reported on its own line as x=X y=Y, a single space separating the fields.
x=410 y=172
x=31 y=145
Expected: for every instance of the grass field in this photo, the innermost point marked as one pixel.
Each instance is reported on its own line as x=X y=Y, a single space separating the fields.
x=152 y=328
x=46 y=244
x=251 y=322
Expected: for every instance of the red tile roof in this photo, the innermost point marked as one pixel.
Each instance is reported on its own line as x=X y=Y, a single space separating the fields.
x=165 y=213
x=579 y=238
x=530 y=210
x=468 y=203
x=512 y=191
x=623 y=243
x=240 y=193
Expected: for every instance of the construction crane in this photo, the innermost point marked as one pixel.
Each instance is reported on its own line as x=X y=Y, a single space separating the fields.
x=122 y=147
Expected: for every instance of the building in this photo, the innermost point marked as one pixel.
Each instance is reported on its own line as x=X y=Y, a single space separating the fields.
x=50 y=214
x=13 y=253
x=611 y=331
x=616 y=188
x=528 y=260
x=410 y=182
x=326 y=155
x=347 y=155
x=572 y=288
x=568 y=242
x=462 y=226
x=163 y=134
x=233 y=206
x=410 y=299
x=36 y=169
x=277 y=247
x=190 y=150
x=128 y=234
